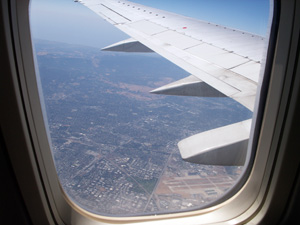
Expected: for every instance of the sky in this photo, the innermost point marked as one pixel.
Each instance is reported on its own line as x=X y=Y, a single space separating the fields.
x=70 y=22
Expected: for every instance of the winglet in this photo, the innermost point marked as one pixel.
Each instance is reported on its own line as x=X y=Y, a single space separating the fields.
x=128 y=45
x=226 y=146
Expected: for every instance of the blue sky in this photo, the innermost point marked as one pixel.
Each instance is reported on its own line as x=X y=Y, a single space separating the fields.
x=70 y=22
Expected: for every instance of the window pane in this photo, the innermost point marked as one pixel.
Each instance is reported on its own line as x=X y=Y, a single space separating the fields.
x=113 y=142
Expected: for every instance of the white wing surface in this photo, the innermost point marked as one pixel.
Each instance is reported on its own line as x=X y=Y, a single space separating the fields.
x=217 y=57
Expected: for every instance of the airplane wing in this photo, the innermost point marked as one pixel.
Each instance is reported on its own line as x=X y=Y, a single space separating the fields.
x=222 y=62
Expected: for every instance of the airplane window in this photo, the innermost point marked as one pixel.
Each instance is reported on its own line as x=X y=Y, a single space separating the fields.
x=157 y=121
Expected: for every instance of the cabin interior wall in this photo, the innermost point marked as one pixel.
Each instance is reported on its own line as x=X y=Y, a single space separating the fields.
x=12 y=209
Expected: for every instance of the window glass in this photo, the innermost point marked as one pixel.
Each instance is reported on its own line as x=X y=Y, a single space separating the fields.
x=114 y=143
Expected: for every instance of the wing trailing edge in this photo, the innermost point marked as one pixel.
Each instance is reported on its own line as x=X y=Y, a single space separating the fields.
x=226 y=59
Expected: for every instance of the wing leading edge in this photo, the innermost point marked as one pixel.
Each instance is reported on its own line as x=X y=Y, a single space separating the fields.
x=222 y=62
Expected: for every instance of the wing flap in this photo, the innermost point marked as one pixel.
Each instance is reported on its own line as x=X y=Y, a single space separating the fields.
x=224 y=58
x=185 y=60
x=217 y=56
x=249 y=70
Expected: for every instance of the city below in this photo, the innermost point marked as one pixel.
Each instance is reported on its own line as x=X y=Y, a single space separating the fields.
x=115 y=145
